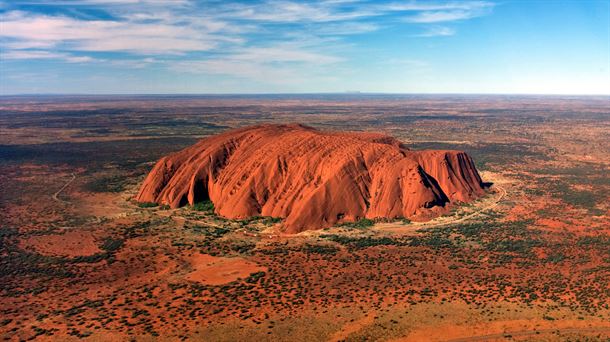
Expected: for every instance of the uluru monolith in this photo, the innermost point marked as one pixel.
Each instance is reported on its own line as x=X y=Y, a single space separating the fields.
x=313 y=179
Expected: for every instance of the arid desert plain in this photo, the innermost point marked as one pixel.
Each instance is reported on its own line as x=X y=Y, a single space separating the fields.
x=85 y=253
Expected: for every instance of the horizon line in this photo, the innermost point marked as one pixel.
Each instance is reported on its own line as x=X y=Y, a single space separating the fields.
x=354 y=93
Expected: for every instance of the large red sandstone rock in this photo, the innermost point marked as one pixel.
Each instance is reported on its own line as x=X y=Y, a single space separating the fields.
x=313 y=179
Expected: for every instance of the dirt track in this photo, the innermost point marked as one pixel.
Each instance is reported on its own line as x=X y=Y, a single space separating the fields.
x=494 y=204
x=56 y=194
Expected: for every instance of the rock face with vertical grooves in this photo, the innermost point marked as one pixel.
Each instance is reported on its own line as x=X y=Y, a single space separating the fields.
x=314 y=179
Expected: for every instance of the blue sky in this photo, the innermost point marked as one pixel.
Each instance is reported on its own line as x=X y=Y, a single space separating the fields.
x=284 y=46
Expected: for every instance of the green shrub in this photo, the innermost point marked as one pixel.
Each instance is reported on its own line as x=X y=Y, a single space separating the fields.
x=320 y=249
x=255 y=277
x=361 y=224
x=147 y=204
x=363 y=242
x=111 y=245
x=203 y=206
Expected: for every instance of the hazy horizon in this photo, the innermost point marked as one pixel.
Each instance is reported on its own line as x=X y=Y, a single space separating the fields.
x=301 y=94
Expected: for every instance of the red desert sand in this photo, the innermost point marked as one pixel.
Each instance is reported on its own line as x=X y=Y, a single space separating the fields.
x=72 y=243
x=213 y=270
x=314 y=179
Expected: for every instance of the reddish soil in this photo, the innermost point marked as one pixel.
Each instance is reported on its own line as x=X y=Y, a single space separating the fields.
x=503 y=330
x=533 y=263
x=353 y=327
x=213 y=270
x=72 y=243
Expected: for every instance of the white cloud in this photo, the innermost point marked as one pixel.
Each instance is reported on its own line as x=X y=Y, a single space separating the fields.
x=427 y=17
x=435 y=31
x=24 y=30
x=30 y=54
x=216 y=37
x=279 y=64
x=289 y=11
x=100 y=2
x=134 y=63
x=280 y=75
x=27 y=44
x=236 y=68
x=346 y=28
x=436 y=6
x=80 y=59
x=180 y=26
x=41 y=54
x=335 y=11
x=283 y=54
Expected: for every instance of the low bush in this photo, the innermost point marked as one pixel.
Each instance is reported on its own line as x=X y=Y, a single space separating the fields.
x=203 y=206
x=361 y=224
